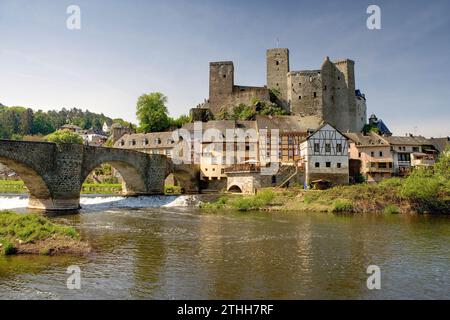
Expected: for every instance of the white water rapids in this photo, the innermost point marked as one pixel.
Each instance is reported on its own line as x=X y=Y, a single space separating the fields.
x=107 y=202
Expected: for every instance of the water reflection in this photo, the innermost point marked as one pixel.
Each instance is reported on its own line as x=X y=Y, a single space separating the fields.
x=168 y=253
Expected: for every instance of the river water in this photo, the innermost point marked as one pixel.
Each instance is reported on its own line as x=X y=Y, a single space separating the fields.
x=162 y=248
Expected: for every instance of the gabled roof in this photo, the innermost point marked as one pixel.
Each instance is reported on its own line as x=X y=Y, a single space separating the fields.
x=323 y=125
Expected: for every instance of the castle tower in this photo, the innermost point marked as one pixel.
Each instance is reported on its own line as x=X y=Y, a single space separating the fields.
x=221 y=83
x=345 y=83
x=277 y=70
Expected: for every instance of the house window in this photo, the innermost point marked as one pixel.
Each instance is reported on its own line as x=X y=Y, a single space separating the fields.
x=339 y=165
x=133 y=142
x=328 y=164
x=372 y=154
x=382 y=165
x=317 y=165
x=415 y=149
x=381 y=153
x=339 y=147
x=390 y=165
x=316 y=147
x=222 y=171
x=122 y=143
x=327 y=147
x=145 y=142
x=274 y=179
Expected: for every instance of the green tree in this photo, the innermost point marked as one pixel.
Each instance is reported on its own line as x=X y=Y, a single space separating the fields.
x=152 y=112
x=64 y=136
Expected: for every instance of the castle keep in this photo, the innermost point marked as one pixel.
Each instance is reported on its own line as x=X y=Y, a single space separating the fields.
x=328 y=94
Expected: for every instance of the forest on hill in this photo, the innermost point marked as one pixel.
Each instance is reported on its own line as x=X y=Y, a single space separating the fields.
x=18 y=122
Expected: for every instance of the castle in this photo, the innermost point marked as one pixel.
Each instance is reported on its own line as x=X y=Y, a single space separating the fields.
x=328 y=94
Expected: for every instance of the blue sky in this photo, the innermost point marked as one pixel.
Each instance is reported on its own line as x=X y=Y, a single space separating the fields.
x=126 y=48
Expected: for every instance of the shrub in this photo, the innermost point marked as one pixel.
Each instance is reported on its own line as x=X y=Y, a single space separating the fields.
x=8 y=248
x=64 y=136
x=391 y=183
x=243 y=204
x=391 y=209
x=342 y=205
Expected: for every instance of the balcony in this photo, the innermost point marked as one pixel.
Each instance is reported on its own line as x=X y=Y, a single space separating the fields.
x=244 y=167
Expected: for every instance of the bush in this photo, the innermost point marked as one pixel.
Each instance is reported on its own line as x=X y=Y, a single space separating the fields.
x=391 y=183
x=391 y=209
x=7 y=248
x=64 y=136
x=342 y=205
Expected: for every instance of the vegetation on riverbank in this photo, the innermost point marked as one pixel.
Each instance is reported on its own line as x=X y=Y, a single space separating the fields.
x=35 y=234
x=423 y=191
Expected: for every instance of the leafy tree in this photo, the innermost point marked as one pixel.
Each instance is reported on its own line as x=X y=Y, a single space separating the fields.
x=178 y=122
x=442 y=166
x=152 y=112
x=64 y=136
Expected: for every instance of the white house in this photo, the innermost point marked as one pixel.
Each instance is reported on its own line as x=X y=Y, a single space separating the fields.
x=325 y=155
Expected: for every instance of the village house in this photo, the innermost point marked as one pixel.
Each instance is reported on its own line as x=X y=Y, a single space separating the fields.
x=370 y=155
x=409 y=151
x=151 y=143
x=325 y=156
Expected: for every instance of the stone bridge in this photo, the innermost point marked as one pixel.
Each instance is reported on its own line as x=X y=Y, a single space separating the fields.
x=54 y=173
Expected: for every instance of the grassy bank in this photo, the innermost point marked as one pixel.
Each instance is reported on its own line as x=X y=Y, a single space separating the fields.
x=34 y=234
x=391 y=197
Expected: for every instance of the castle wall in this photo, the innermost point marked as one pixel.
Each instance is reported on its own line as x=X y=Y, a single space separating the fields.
x=223 y=94
x=305 y=93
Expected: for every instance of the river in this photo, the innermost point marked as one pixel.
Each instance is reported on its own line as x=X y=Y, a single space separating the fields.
x=162 y=248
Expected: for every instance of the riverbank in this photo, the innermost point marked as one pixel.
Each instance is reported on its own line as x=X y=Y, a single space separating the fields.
x=35 y=234
x=391 y=196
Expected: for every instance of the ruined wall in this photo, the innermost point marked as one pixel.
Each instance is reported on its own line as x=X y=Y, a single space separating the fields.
x=224 y=95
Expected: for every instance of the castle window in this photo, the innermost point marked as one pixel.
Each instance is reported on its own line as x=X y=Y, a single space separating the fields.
x=338 y=165
x=339 y=78
x=359 y=154
x=317 y=164
x=277 y=62
x=332 y=98
x=122 y=143
x=133 y=142
x=324 y=88
x=381 y=153
x=315 y=94
x=145 y=142
x=299 y=97
x=372 y=154
x=224 y=76
x=328 y=164
x=299 y=84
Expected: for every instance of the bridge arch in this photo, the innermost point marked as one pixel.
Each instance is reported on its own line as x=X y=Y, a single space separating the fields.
x=134 y=182
x=235 y=189
x=33 y=180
